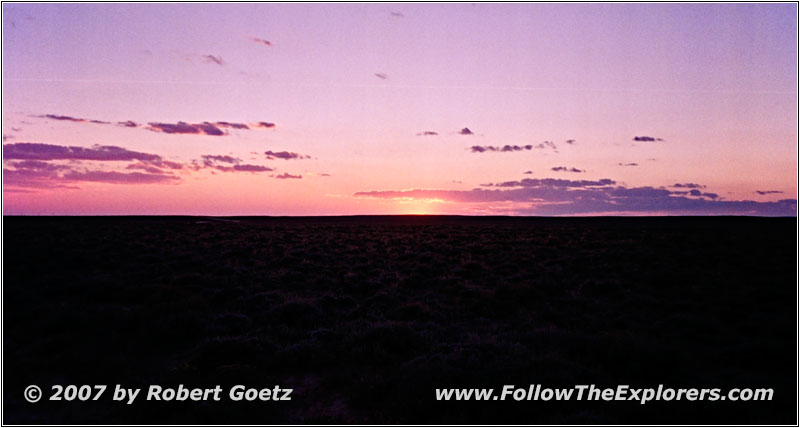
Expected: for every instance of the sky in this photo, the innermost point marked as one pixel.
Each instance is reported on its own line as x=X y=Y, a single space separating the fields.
x=338 y=109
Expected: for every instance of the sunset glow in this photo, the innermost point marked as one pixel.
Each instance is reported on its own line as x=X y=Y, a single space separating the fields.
x=338 y=109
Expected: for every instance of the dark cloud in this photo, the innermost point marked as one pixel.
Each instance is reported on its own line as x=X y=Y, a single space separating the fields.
x=646 y=138
x=550 y=196
x=213 y=59
x=528 y=172
x=427 y=133
x=287 y=175
x=688 y=186
x=565 y=169
x=628 y=164
x=265 y=125
x=466 y=131
x=32 y=171
x=382 y=76
x=285 y=155
x=40 y=151
x=205 y=128
x=128 y=124
x=570 y=141
x=261 y=41
x=767 y=192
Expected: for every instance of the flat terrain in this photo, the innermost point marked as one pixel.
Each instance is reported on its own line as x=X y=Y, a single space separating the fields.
x=365 y=316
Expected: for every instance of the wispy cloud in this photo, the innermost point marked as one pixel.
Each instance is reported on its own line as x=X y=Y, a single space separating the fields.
x=261 y=41
x=226 y=163
x=205 y=128
x=646 y=138
x=466 y=131
x=285 y=176
x=513 y=148
x=565 y=169
x=768 y=192
x=216 y=128
x=382 y=76
x=506 y=148
x=688 y=186
x=285 y=155
x=213 y=59
x=71 y=119
x=628 y=164
x=114 y=177
x=427 y=134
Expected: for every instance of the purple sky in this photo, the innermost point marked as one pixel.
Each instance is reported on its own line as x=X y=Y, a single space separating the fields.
x=315 y=109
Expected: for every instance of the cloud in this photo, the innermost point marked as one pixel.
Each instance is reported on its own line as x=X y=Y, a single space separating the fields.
x=528 y=172
x=565 y=169
x=382 y=76
x=287 y=175
x=31 y=170
x=550 y=196
x=205 y=128
x=427 y=133
x=232 y=125
x=114 y=177
x=688 y=186
x=767 y=192
x=546 y=145
x=261 y=41
x=646 y=138
x=252 y=168
x=209 y=160
x=506 y=148
x=71 y=119
x=7 y=137
x=396 y=14
x=40 y=151
x=465 y=131
x=37 y=165
x=628 y=164
x=227 y=163
x=514 y=148
x=570 y=141
x=213 y=59
x=556 y=182
x=285 y=155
